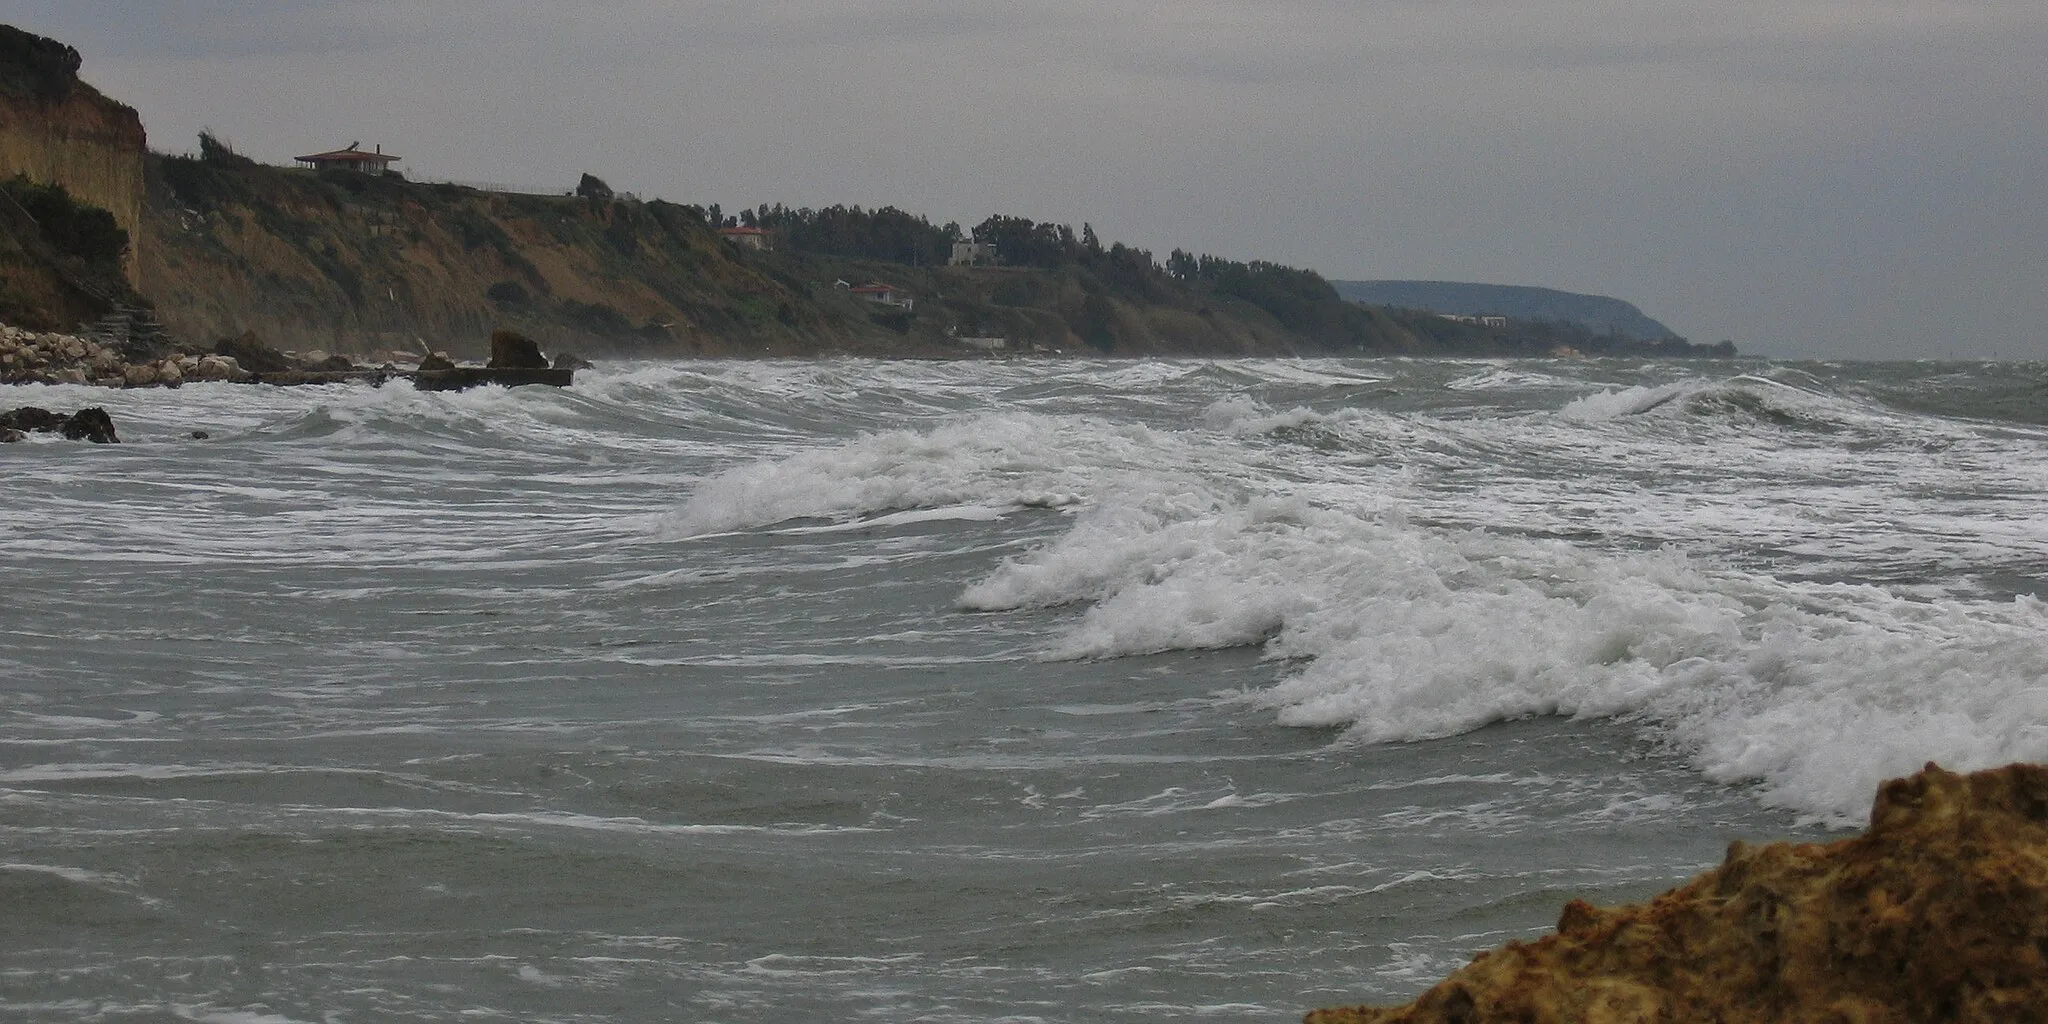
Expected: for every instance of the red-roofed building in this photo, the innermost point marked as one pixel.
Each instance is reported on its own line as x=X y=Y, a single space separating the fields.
x=350 y=159
x=752 y=238
x=883 y=294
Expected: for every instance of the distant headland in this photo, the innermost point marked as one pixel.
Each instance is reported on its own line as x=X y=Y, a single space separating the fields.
x=344 y=254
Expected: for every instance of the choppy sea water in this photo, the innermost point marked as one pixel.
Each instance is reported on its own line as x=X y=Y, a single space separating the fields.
x=968 y=691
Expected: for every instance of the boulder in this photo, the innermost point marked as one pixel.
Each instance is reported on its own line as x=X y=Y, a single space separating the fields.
x=31 y=418
x=88 y=424
x=9 y=435
x=436 y=362
x=514 y=351
x=253 y=355
x=91 y=424
x=139 y=375
x=333 y=364
x=1938 y=913
x=571 y=361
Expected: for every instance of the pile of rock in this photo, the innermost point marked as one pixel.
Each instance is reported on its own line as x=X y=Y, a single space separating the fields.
x=32 y=357
x=1938 y=913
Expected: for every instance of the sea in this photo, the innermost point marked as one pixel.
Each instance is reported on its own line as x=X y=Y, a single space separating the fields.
x=977 y=691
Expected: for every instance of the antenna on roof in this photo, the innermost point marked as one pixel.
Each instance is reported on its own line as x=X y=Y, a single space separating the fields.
x=354 y=144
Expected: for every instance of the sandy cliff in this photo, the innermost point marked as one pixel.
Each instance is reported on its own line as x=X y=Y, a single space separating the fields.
x=352 y=262
x=1938 y=913
x=57 y=129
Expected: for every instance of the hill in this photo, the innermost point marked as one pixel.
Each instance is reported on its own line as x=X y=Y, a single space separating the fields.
x=353 y=261
x=1597 y=313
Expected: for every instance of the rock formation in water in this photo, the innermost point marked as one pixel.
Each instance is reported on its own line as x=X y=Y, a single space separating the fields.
x=1938 y=913
x=511 y=350
x=88 y=424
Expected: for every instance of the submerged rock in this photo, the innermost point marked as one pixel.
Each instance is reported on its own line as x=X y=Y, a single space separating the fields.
x=1938 y=913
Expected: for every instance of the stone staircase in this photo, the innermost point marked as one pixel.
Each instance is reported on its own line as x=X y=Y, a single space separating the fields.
x=132 y=331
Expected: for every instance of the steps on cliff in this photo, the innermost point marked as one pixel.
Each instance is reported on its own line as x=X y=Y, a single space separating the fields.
x=132 y=331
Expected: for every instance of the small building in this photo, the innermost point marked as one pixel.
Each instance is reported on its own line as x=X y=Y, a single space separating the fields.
x=883 y=295
x=746 y=237
x=350 y=159
x=1467 y=318
x=973 y=254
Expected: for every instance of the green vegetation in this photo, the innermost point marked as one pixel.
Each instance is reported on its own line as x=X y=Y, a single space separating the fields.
x=31 y=65
x=887 y=234
x=78 y=230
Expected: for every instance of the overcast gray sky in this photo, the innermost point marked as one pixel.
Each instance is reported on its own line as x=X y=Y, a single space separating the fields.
x=1841 y=178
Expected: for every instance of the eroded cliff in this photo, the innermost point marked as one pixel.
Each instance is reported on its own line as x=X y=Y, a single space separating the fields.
x=1938 y=913
x=57 y=129
x=352 y=262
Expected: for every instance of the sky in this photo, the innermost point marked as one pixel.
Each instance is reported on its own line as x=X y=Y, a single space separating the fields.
x=1807 y=178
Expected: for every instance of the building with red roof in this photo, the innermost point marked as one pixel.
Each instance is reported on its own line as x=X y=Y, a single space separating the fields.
x=350 y=159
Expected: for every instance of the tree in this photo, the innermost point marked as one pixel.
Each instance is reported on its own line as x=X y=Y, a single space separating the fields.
x=593 y=187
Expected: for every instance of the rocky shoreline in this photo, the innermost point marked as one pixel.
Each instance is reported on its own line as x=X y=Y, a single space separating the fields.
x=1938 y=913
x=48 y=357
x=39 y=357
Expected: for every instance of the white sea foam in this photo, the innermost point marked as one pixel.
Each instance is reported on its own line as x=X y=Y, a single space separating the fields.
x=1407 y=633
x=1014 y=460
x=1210 y=537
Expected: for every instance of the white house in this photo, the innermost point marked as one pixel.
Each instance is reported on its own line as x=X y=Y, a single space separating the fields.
x=973 y=254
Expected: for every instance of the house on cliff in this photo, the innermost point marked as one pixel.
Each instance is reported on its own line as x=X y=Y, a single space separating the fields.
x=350 y=159
x=746 y=237
x=884 y=295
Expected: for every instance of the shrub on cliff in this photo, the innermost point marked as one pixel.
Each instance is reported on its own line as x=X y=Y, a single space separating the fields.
x=76 y=229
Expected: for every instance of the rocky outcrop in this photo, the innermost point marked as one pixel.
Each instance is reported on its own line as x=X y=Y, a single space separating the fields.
x=88 y=424
x=253 y=355
x=1938 y=913
x=511 y=350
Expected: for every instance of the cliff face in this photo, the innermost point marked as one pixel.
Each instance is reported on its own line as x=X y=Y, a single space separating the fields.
x=57 y=129
x=352 y=262
x=344 y=261
x=1938 y=913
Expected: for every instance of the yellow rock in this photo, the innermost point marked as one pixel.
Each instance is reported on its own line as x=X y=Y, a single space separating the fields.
x=1938 y=913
